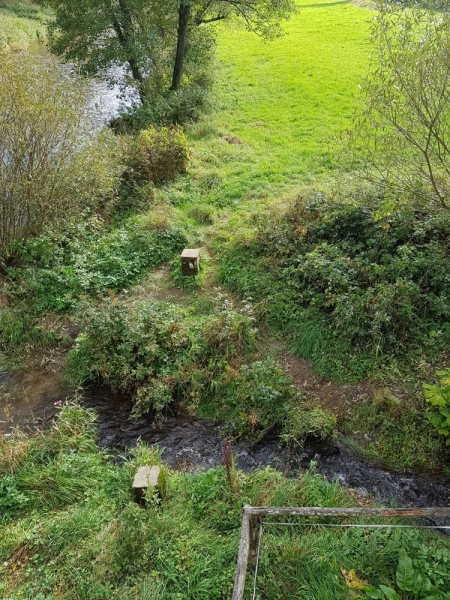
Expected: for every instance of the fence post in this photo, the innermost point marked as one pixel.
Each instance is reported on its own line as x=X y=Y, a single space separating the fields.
x=242 y=561
x=255 y=530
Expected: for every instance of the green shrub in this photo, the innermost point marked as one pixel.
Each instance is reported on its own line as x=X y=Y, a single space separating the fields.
x=54 y=165
x=438 y=397
x=354 y=283
x=160 y=352
x=159 y=155
x=88 y=261
x=201 y=213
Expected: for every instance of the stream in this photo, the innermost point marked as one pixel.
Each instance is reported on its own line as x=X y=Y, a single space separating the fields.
x=31 y=398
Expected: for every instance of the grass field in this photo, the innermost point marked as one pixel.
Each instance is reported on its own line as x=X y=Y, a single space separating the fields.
x=21 y=24
x=280 y=104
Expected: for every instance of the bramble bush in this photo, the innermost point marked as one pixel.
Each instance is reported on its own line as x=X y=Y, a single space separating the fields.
x=350 y=281
x=57 y=270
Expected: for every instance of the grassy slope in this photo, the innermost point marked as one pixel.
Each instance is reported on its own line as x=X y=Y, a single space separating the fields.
x=286 y=99
x=21 y=23
x=69 y=528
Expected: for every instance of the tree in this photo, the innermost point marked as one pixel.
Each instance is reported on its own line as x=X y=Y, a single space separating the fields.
x=261 y=16
x=142 y=34
x=52 y=166
x=403 y=133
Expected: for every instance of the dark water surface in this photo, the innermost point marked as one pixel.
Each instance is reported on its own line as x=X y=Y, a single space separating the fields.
x=29 y=398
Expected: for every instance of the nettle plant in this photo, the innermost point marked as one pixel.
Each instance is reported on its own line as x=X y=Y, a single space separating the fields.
x=438 y=398
x=423 y=578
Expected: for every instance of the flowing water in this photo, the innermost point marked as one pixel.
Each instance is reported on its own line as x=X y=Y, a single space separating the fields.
x=33 y=397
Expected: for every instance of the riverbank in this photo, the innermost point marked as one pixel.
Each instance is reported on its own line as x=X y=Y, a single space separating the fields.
x=96 y=542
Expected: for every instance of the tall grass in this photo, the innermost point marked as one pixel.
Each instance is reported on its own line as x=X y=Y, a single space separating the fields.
x=79 y=534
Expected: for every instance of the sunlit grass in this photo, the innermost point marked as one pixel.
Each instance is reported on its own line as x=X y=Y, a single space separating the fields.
x=280 y=104
x=21 y=24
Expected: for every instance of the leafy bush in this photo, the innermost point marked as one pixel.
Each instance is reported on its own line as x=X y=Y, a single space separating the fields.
x=438 y=396
x=417 y=578
x=53 y=166
x=87 y=261
x=160 y=352
x=158 y=155
x=351 y=281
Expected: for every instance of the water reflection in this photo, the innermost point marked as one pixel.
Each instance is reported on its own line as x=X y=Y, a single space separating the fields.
x=107 y=98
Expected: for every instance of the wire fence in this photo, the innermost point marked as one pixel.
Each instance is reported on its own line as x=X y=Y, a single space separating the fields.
x=253 y=528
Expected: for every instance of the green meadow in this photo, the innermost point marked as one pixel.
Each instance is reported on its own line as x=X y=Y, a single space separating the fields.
x=281 y=104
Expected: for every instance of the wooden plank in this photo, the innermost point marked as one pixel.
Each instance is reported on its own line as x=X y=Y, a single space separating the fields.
x=313 y=511
x=243 y=553
x=255 y=530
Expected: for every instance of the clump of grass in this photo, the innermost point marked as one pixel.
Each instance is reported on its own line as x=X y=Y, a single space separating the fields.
x=304 y=422
x=395 y=432
x=84 y=536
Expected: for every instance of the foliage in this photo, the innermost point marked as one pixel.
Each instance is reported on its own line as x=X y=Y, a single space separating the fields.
x=413 y=578
x=158 y=155
x=353 y=281
x=438 y=396
x=160 y=352
x=97 y=37
x=403 y=132
x=394 y=431
x=184 y=105
x=52 y=167
x=86 y=261
x=20 y=24
x=81 y=535
x=315 y=422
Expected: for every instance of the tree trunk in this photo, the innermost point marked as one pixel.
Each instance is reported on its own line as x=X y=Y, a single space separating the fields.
x=184 y=13
x=124 y=32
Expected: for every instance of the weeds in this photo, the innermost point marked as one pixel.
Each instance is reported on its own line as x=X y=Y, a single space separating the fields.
x=83 y=536
x=161 y=352
x=353 y=284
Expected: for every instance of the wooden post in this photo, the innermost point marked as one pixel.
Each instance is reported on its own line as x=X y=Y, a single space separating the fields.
x=242 y=561
x=255 y=530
